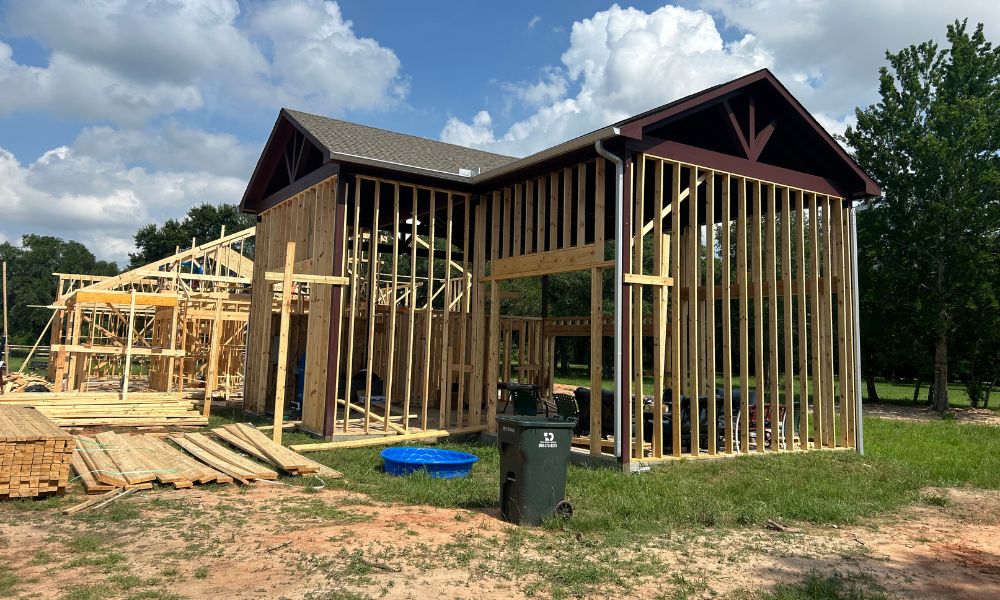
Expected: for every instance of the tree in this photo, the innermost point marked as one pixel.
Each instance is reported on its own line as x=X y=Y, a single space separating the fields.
x=933 y=140
x=31 y=284
x=202 y=223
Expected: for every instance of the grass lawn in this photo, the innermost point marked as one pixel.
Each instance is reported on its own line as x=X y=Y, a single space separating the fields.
x=821 y=487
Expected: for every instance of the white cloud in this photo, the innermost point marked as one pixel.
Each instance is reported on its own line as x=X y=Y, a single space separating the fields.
x=620 y=62
x=535 y=20
x=174 y=147
x=478 y=133
x=97 y=194
x=319 y=63
x=551 y=86
x=144 y=66
x=623 y=61
x=828 y=52
x=129 y=60
x=70 y=88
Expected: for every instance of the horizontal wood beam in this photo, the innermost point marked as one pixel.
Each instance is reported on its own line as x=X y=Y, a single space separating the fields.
x=305 y=278
x=637 y=279
x=579 y=258
x=116 y=350
x=141 y=298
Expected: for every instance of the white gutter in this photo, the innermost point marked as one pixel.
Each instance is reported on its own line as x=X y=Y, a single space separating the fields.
x=619 y=210
x=859 y=423
x=574 y=144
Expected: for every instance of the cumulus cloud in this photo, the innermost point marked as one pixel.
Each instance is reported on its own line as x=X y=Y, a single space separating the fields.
x=173 y=148
x=623 y=61
x=97 y=193
x=620 y=61
x=127 y=61
x=318 y=62
x=828 y=51
x=70 y=88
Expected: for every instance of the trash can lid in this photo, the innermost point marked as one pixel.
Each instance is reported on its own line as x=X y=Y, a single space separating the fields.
x=535 y=422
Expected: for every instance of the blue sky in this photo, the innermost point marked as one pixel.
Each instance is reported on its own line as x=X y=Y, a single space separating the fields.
x=451 y=69
x=117 y=114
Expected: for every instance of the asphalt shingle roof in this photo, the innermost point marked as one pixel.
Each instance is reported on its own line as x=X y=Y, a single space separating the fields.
x=342 y=137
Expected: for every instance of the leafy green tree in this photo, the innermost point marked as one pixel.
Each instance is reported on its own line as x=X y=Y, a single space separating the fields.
x=202 y=223
x=933 y=141
x=30 y=283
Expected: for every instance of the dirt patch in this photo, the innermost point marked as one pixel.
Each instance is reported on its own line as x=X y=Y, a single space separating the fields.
x=979 y=416
x=285 y=542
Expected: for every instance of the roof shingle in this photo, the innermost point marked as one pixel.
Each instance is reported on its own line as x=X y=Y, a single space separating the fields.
x=342 y=137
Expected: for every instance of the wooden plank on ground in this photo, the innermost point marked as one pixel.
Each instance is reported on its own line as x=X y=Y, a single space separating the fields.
x=252 y=469
x=371 y=441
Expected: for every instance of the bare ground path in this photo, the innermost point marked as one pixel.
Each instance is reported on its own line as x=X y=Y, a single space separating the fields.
x=286 y=542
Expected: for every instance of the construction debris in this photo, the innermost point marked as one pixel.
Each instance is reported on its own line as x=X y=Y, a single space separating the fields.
x=17 y=383
x=34 y=454
x=99 y=501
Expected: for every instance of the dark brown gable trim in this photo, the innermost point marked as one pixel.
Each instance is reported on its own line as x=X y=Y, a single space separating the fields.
x=740 y=166
x=266 y=164
x=634 y=128
x=299 y=185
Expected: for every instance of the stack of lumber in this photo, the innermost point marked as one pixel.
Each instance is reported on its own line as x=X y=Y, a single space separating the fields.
x=14 y=383
x=34 y=454
x=108 y=461
x=89 y=409
x=252 y=441
x=220 y=458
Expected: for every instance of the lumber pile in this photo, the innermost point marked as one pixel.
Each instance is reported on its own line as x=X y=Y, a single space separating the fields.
x=251 y=440
x=218 y=457
x=34 y=454
x=16 y=383
x=111 y=461
x=90 y=409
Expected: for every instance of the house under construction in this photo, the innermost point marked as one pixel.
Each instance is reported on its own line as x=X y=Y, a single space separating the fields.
x=173 y=325
x=726 y=218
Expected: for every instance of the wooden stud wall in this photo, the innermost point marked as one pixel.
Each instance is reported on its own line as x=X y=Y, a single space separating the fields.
x=409 y=321
x=781 y=317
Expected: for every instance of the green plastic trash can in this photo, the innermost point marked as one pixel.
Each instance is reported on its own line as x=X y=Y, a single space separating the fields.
x=534 y=454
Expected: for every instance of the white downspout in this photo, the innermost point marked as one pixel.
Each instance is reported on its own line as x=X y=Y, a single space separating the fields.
x=619 y=209
x=859 y=424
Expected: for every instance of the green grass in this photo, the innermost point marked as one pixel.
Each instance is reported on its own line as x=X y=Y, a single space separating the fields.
x=828 y=587
x=314 y=508
x=98 y=591
x=937 y=453
x=8 y=582
x=362 y=469
x=819 y=487
x=85 y=542
x=902 y=393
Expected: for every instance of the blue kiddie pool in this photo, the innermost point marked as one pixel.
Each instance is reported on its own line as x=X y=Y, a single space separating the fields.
x=439 y=463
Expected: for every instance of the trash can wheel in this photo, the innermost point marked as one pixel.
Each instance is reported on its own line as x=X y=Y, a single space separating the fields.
x=564 y=509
